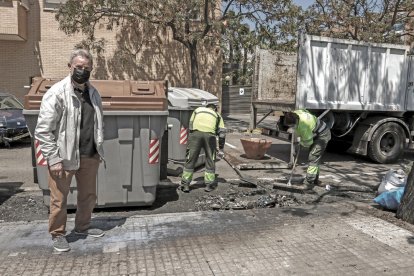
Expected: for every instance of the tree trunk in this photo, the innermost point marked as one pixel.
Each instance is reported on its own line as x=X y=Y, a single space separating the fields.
x=406 y=209
x=230 y=53
x=195 y=81
x=244 y=69
x=236 y=73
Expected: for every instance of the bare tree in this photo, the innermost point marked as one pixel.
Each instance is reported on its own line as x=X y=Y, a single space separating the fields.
x=368 y=20
x=190 y=21
x=244 y=31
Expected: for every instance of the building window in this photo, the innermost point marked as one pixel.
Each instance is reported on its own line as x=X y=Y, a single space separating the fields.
x=52 y=4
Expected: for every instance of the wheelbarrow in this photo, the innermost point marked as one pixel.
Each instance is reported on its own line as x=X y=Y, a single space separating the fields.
x=255 y=148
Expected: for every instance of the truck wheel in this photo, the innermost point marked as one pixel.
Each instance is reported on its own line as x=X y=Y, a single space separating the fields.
x=387 y=143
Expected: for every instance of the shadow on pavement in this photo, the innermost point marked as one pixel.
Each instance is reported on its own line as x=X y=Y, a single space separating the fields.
x=200 y=182
x=297 y=212
x=164 y=194
x=24 y=143
x=235 y=124
x=9 y=189
x=280 y=151
x=103 y=223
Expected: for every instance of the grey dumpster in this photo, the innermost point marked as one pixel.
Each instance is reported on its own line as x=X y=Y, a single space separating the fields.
x=135 y=117
x=181 y=104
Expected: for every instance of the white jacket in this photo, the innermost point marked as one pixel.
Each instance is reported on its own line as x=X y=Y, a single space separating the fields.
x=58 y=125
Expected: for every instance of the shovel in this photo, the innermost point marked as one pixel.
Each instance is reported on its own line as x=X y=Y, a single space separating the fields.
x=289 y=183
x=289 y=186
x=251 y=182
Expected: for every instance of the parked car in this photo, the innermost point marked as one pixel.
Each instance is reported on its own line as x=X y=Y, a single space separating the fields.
x=12 y=123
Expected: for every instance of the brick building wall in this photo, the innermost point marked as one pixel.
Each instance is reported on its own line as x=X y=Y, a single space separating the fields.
x=10 y=18
x=127 y=55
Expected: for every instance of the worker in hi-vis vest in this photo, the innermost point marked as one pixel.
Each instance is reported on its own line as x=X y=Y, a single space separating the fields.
x=205 y=125
x=315 y=135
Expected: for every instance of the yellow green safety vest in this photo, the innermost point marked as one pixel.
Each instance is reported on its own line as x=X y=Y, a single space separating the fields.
x=205 y=119
x=306 y=125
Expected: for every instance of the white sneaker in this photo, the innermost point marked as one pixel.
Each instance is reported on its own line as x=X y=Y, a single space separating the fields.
x=93 y=232
x=60 y=244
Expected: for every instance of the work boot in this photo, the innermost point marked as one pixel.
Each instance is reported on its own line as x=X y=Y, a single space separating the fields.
x=209 y=187
x=185 y=187
x=316 y=181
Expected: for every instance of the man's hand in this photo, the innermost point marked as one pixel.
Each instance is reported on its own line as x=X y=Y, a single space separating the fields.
x=56 y=170
x=222 y=141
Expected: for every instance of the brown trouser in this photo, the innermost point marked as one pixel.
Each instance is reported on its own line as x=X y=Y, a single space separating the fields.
x=86 y=198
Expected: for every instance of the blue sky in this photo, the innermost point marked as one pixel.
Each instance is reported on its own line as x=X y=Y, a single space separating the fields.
x=303 y=3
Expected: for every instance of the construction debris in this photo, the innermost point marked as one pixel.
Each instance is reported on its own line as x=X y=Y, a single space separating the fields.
x=239 y=200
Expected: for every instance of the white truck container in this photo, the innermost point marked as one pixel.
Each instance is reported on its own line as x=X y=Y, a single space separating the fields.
x=367 y=88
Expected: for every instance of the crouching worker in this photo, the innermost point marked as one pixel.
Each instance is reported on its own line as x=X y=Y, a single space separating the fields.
x=315 y=135
x=205 y=125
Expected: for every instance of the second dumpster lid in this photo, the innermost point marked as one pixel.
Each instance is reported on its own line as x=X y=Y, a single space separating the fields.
x=115 y=94
x=190 y=97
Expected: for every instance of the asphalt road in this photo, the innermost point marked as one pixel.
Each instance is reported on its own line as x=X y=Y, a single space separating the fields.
x=349 y=177
x=293 y=231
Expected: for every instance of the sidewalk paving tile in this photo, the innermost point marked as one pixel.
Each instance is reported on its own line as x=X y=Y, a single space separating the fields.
x=317 y=240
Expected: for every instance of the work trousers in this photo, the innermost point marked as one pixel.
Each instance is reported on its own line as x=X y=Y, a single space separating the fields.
x=86 y=196
x=200 y=140
x=316 y=151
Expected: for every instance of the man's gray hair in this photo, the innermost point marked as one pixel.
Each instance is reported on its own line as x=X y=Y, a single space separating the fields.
x=81 y=53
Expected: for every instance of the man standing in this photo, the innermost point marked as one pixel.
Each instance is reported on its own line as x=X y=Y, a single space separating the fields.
x=205 y=125
x=315 y=135
x=70 y=132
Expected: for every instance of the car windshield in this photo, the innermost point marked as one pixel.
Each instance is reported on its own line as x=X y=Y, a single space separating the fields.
x=7 y=102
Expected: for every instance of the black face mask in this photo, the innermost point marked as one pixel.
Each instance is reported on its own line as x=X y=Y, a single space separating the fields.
x=80 y=75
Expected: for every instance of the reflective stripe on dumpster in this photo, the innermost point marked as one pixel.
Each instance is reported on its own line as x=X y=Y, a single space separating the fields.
x=183 y=136
x=154 y=151
x=41 y=161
